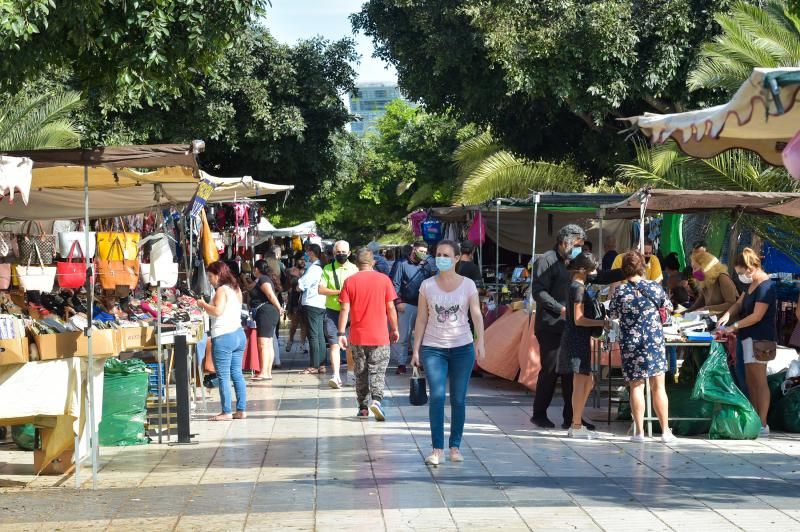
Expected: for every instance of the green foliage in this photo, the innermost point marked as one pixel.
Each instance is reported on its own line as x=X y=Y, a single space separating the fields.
x=549 y=77
x=31 y=122
x=127 y=53
x=751 y=37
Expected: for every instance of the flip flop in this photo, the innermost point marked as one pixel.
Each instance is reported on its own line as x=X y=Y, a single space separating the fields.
x=309 y=371
x=221 y=417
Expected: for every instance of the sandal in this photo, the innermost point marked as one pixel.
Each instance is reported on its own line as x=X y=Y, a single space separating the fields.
x=309 y=371
x=240 y=415
x=221 y=417
x=256 y=378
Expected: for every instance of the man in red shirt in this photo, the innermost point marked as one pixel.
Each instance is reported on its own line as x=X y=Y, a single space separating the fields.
x=367 y=299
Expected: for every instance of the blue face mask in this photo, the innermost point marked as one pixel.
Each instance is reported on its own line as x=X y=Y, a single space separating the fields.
x=573 y=254
x=444 y=263
x=306 y=258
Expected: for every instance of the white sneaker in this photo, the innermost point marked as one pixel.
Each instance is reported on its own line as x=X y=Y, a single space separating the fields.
x=764 y=432
x=335 y=382
x=433 y=459
x=582 y=433
x=638 y=438
x=668 y=437
x=351 y=378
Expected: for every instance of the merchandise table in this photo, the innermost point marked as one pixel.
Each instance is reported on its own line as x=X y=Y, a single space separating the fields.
x=53 y=394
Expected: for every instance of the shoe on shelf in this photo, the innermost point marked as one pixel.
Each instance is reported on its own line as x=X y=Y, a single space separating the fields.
x=401 y=370
x=433 y=458
x=582 y=433
x=668 y=437
x=764 y=432
x=363 y=412
x=638 y=438
x=351 y=379
x=377 y=409
x=455 y=455
x=335 y=382
x=543 y=423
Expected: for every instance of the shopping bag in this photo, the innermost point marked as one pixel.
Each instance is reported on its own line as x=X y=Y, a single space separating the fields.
x=128 y=249
x=88 y=246
x=115 y=273
x=41 y=278
x=71 y=273
x=36 y=247
x=5 y=276
x=208 y=246
x=418 y=393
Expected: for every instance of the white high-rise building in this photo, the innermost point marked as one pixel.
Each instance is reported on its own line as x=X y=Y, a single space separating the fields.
x=369 y=104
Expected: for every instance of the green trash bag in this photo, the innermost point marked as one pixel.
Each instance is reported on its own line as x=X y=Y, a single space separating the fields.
x=785 y=415
x=774 y=383
x=124 y=403
x=24 y=436
x=682 y=404
x=734 y=417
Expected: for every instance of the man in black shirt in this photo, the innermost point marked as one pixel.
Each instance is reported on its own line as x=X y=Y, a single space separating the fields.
x=551 y=282
x=466 y=266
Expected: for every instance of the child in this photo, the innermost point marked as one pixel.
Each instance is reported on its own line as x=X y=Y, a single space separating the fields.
x=575 y=353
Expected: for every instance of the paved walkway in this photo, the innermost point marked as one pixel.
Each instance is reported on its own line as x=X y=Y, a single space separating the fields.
x=302 y=461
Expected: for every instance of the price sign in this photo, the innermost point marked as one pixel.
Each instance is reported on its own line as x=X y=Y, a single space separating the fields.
x=204 y=190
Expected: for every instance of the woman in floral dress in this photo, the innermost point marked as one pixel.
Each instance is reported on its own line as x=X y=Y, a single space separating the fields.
x=636 y=305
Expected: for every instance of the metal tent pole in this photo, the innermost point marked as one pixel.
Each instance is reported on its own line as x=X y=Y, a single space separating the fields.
x=497 y=252
x=161 y=369
x=536 y=199
x=480 y=238
x=90 y=369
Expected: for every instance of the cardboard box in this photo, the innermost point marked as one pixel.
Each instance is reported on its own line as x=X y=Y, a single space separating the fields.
x=134 y=338
x=74 y=344
x=61 y=465
x=14 y=351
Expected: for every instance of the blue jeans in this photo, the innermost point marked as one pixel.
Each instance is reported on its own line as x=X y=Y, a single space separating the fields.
x=227 y=351
x=738 y=375
x=457 y=362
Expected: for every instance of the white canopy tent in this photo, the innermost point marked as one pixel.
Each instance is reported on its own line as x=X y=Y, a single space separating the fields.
x=266 y=231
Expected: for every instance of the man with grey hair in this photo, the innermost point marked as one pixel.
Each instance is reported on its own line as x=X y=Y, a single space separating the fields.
x=330 y=285
x=367 y=299
x=550 y=286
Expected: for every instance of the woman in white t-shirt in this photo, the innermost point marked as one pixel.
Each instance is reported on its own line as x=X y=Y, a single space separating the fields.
x=443 y=338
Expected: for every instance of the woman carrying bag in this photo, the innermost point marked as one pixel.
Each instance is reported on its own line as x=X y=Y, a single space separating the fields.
x=444 y=342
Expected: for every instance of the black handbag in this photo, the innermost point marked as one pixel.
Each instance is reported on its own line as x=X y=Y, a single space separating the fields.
x=593 y=310
x=418 y=392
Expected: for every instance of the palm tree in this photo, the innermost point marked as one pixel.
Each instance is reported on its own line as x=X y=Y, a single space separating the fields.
x=752 y=36
x=486 y=171
x=39 y=122
x=665 y=166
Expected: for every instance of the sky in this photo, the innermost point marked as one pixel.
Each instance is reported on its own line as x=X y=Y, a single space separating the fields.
x=290 y=20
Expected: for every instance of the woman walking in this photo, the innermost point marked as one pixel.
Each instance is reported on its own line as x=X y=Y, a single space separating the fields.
x=265 y=306
x=575 y=352
x=636 y=305
x=756 y=307
x=314 y=309
x=227 y=339
x=443 y=340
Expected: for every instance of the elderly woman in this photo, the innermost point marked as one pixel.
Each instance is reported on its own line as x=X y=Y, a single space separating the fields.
x=716 y=291
x=636 y=305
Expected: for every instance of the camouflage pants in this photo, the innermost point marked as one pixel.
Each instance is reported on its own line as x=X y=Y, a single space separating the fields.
x=371 y=362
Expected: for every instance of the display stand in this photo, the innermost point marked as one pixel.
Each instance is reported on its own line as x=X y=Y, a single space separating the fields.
x=181 y=356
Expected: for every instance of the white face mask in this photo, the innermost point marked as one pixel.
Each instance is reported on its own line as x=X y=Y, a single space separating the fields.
x=745 y=278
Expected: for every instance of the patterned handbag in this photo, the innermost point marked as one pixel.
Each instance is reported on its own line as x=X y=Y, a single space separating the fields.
x=29 y=244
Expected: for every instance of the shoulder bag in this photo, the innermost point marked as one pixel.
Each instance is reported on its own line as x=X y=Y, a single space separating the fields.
x=72 y=274
x=128 y=243
x=662 y=311
x=41 y=278
x=115 y=272
x=207 y=243
x=39 y=247
x=765 y=350
x=593 y=310
x=66 y=238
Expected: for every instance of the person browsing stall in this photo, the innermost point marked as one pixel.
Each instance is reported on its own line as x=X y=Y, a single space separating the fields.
x=652 y=264
x=717 y=292
x=266 y=310
x=330 y=286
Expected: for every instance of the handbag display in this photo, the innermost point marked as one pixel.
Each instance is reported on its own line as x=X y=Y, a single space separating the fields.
x=128 y=245
x=418 y=393
x=765 y=350
x=88 y=246
x=115 y=273
x=5 y=276
x=200 y=284
x=166 y=275
x=209 y=247
x=72 y=274
x=40 y=247
x=41 y=278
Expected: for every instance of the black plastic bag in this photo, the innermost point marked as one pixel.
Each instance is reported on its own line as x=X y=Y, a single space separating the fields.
x=418 y=393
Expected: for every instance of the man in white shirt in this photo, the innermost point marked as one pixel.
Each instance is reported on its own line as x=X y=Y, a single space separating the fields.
x=314 y=308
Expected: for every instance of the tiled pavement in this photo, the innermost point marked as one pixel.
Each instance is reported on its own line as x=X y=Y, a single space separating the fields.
x=301 y=461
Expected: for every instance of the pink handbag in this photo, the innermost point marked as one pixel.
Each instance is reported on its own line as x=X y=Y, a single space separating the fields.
x=5 y=276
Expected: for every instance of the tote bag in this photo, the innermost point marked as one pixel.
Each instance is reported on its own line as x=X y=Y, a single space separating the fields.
x=128 y=244
x=208 y=246
x=41 y=278
x=72 y=274
x=115 y=273
x=417 y=394
x=36 y=247
x=88 y=246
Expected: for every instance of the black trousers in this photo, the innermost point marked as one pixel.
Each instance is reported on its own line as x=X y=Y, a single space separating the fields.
x=546 y=384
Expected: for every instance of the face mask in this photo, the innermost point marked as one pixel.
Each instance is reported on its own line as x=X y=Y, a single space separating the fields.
x=745 y=279
x=444 y=263
x=573 y=254
x=700 y=275
x=306 y=257
x=647 y=260
x=341 y=258
x=421 y=255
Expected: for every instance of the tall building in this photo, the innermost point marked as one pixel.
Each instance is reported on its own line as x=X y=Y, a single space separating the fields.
x=369 y=104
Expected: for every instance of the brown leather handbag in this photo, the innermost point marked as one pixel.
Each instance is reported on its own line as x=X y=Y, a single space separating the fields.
x=209 y=247
x=765 y=350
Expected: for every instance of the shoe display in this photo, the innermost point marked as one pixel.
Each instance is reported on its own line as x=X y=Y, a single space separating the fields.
x=543 y=423
x=377 y=409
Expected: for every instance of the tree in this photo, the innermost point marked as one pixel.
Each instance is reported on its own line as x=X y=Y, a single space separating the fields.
x=127 y=53
x=550 y=77
x=751 y=37
x=32 y=122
